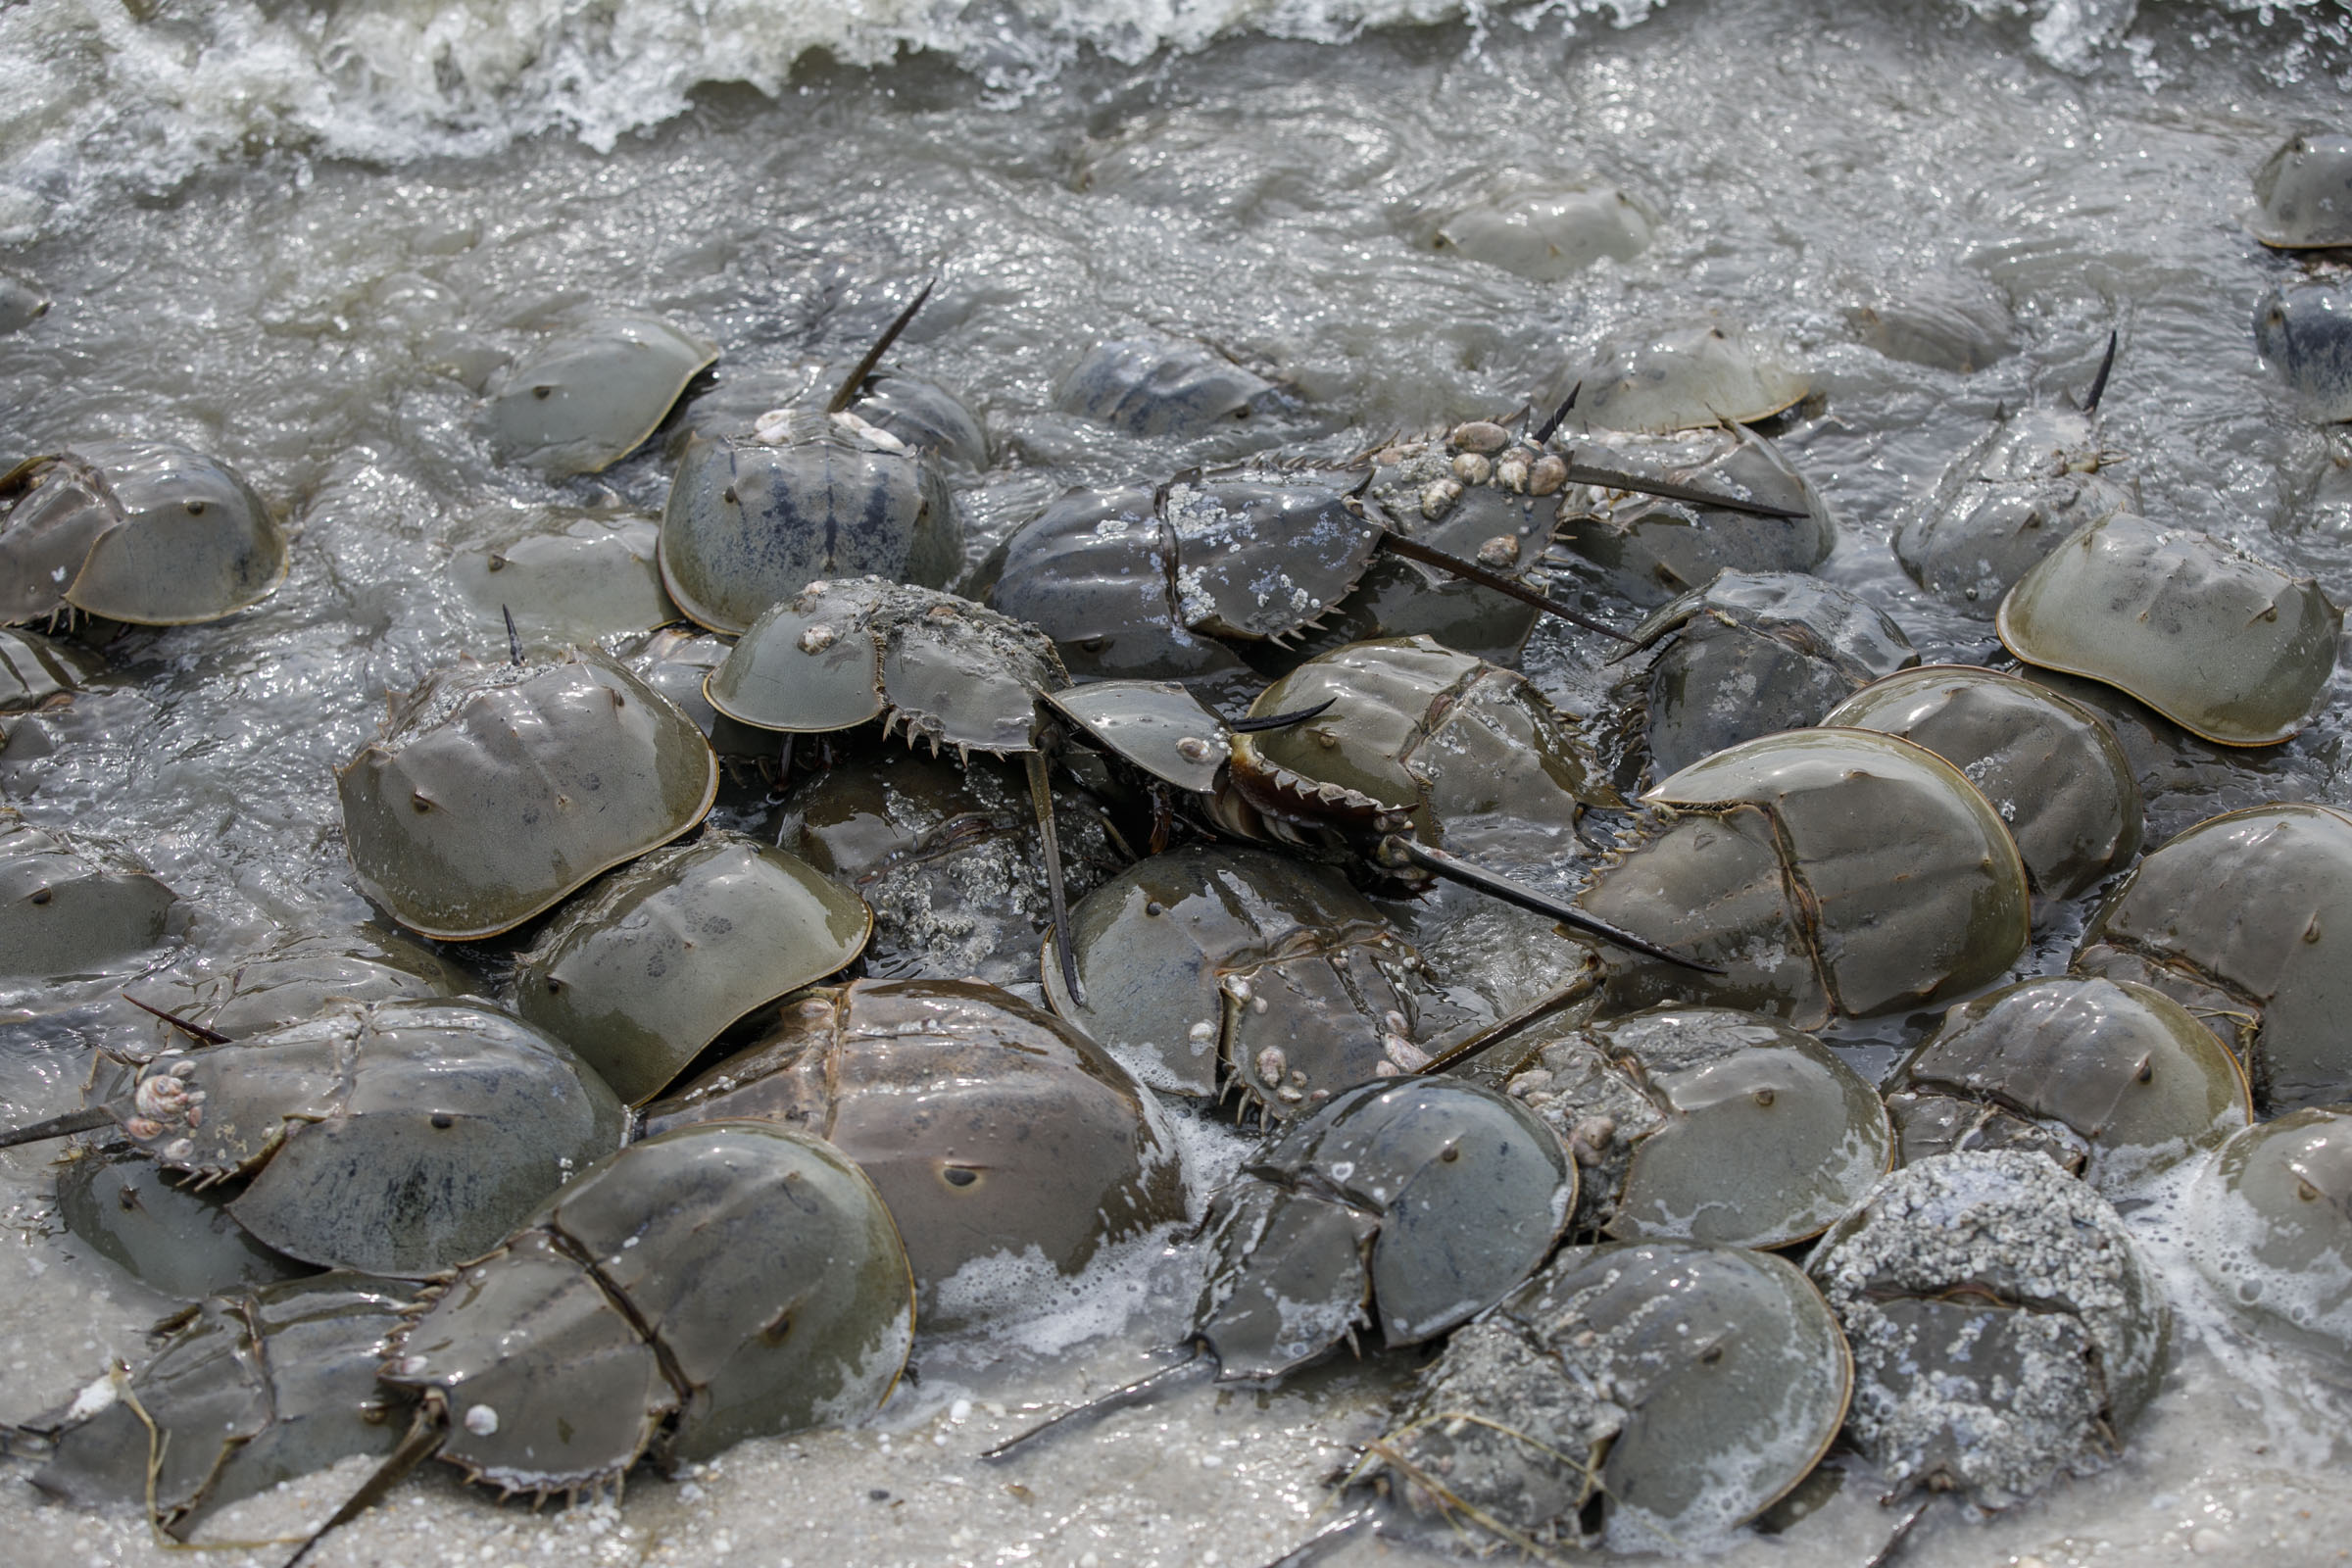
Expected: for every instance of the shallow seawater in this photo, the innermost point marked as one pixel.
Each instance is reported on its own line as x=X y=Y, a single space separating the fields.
x=309 y=238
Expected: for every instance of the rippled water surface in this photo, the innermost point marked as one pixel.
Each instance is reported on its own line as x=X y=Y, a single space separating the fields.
x=307 y=238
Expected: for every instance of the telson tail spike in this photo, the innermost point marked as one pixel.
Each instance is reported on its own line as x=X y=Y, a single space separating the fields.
x=1251 y=726
x=424 y=1437
x=514 y=639
x=66 y=1126
x=847 y=393
x=194 y=1031
x=1335 y=1533
x=1644 y=484
x=2098 y=383
x=1558 y=414
x=1474 y=1046
x=1041 y=796
x=1141 y=1389
x=1454 y=868
x=1471 y=571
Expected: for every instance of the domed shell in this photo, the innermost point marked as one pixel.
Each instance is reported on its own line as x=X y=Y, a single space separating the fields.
x=2304 y=192
x=2269 y=1225
x=1684 y=378
x=764 y=1288
x=562 y=572
x=645 y=969
x=2305 y=334
x=2214 y=640
x=138 y=532
x=495 y=790
x=1652 y=548
x=1539 y=227
x=1162 y=386
x=2051 y=767
x=72 y=907
x=590 y=398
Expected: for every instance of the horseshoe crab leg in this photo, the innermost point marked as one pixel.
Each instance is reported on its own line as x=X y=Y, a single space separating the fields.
x=1141 y=1389
x=1041 y=795
x=1454 y=868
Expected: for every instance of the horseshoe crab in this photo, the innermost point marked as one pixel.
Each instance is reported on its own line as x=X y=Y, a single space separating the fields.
x=136 y=531
x=2051 y=767
x=21 y=303
x=948 y=856
x=1829 y=871
x=988 y=1126
x=293 y=977
x=2005 y=1329
x=2305 y=333
x=36 y=672
x=1707 y=1125
x=495 y=790
x=251 y=1389
x=590 y=398
x=2112 y=1082
x=1210 y=971
x=2269 y=1225
x=1750 y=654
x=1650 y=548
x=1649 y=1395
x=171 y=1238
x=646 y=968
x=1543 y=227
x=72 y=906
x=2032 y=480
x=1150 y=386
x=2224 y=645
x=1687 y=379
x=710 y=1284
x=390 y=1137
x=2238 y=920
x=563 y=571
x=2304 y=193
x=1951 y=320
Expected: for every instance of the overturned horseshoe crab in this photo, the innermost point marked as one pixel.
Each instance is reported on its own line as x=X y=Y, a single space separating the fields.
x=989 y=1127
x=590 y=398
x=2005 y=1329
x=1645 y=1395
x=1829 y=871
x=710 y=1284
x=493 y=791
x=137 y=531
x=2112 y=1082
x=646 y=968
x=2226 y=646
x=252 y=1388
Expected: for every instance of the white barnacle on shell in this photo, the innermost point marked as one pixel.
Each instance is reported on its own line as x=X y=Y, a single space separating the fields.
x=817 y=638
x=481 y=1420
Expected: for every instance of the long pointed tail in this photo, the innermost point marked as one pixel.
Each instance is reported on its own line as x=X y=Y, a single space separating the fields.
x=1494 y=885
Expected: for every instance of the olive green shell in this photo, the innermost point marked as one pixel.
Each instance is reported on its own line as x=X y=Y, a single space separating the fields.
x=1162 y=386
x=495 y=790
x=838 y=653
x=1650 y=548
x=1158 y=726
x=1684 y=378
x=2304 y=193
x=36 y=672
x=1829 y=871
x=1541 y=226
x=2220 y=643
x=562 y=572
x=250 y=1389
x=392 y=1137
x=2269 y=1224
x=990 y=1128
x=164 y=1233
x=138 y=532
x=753 y=520
x=1210 y=969
x=1467 y=749
x=1709 y=1125
x=2005 y=1328
x=2051 y=767
x=2122 y=1067
x=764 y=1288
x=642 y=971
x=295 y=977
x=71 y=905
x=590 y=398
x=1673 y=1390
x=2238 y=919
x=1412 y=1206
